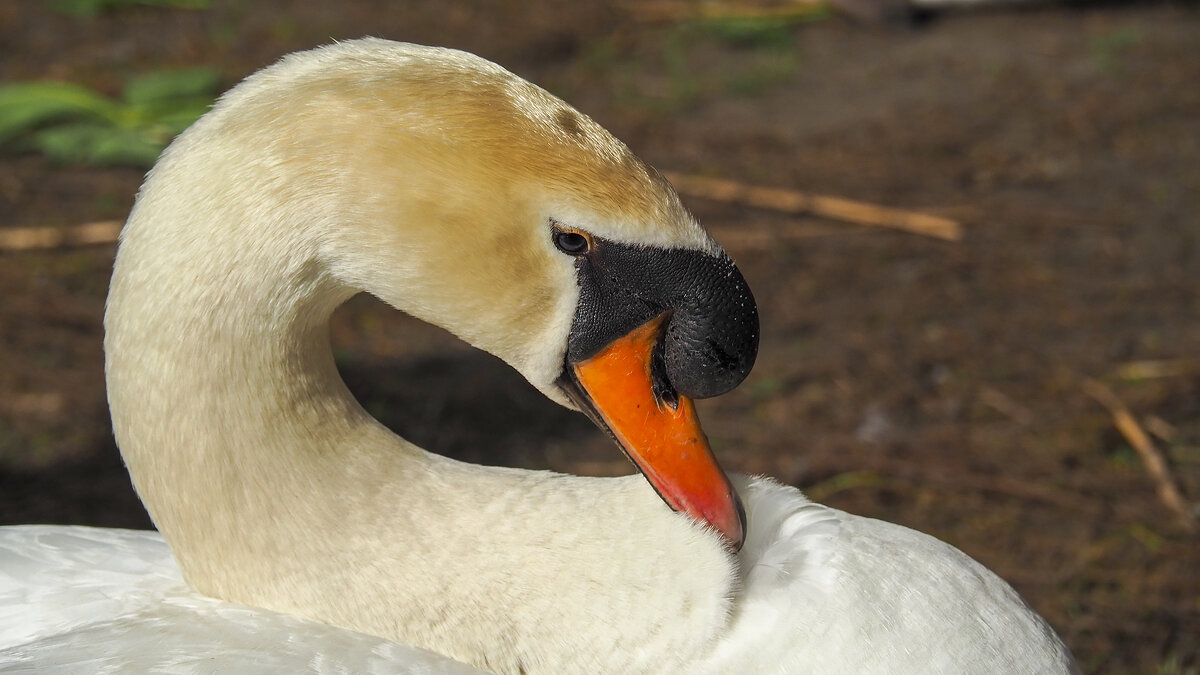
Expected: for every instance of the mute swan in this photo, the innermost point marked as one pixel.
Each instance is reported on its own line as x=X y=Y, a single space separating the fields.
x=461 y=194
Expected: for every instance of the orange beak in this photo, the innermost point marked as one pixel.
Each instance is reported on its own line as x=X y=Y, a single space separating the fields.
x=665 y=441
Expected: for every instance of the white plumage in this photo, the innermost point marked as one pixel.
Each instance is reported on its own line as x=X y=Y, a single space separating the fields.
x=821 y=591
x=89 y=601
x=429 y=178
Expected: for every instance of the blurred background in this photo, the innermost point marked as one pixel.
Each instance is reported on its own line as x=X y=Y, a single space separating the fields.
x=1001 y=390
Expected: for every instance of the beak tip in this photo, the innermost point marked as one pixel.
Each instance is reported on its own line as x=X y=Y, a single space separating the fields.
x=737 y=542
x=732 y=529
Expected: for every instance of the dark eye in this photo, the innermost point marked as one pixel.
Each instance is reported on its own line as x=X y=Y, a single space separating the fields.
x=572 y=243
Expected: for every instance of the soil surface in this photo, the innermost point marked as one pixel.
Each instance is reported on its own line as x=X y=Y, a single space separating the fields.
x=934 y=384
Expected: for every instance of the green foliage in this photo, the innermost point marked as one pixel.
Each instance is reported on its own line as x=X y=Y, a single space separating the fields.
x=72 y=124
x=754 y=32
x=700 y=58
x=94 y=7
x=1110 y=48
x=1175 y=665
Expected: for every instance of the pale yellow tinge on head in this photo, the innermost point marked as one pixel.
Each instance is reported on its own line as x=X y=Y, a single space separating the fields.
x=428 y=160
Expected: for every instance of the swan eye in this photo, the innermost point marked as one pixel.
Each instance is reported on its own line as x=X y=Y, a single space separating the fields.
x=571 y=242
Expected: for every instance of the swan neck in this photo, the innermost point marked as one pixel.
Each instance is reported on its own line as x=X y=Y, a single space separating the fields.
x=225 y=398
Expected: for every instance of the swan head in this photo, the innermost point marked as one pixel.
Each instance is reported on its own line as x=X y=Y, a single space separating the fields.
x=468 y=197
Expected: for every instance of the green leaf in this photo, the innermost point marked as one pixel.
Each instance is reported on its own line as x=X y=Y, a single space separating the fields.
x=179 y=4
x=80 y=7
x=29 y=105
x=168 y=85
x=182 y=117
x=93 y=143
x=87 y=8
x=130 y=149
x=72 y=124
x=754 y=32
x=69 y=143
x=177 y=114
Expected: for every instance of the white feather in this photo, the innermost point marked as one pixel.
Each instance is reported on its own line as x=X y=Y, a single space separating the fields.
x=820 y=591
x=88 y=601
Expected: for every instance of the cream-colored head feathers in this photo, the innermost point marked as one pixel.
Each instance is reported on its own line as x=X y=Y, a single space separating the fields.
x=424 y=160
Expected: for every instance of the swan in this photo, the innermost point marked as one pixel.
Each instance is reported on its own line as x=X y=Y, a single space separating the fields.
x=299 y=533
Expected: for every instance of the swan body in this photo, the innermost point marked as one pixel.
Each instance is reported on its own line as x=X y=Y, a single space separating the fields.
x=459 y=193
x=818 y=585
x=89 y=600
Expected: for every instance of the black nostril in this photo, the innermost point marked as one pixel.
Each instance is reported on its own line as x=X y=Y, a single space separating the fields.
x=725 y=360
x=660 y=383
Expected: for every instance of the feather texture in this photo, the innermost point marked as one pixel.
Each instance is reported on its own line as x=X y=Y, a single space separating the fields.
x=88 y=600
x=820 y=591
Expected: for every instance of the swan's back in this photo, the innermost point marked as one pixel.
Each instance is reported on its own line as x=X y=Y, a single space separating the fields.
x=87 y=600
x=825 y=591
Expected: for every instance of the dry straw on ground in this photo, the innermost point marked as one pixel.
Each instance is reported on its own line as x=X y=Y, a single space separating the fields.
x=770 y=198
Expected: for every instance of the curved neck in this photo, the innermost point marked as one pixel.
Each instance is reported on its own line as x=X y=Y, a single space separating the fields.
x=274 y=488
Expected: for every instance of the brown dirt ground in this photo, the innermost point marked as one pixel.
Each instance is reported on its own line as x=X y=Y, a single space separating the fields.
x=932 y=384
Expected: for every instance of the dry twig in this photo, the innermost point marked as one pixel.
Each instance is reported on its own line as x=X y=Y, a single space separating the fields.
x=30 y=238
x=1002 y=403
x=836 y=208
x=1156 y=465
x=1156 y=369
x=740 y=237
x=774 y=199
x=1157 y=426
